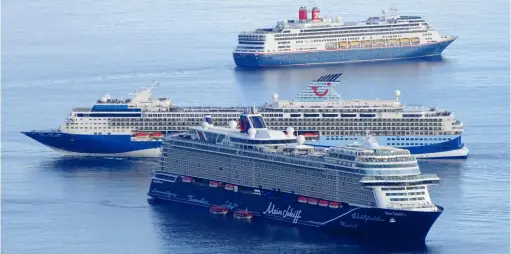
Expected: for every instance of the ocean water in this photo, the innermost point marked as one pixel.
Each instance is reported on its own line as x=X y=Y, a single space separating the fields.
x=57 y=55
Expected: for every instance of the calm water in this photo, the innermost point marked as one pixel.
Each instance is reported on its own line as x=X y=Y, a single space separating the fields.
x=57 y=55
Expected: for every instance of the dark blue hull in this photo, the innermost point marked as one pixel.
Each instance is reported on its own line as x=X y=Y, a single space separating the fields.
x=253 y=60
x=362 y=222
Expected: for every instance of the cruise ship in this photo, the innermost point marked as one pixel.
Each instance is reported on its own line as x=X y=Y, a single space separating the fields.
x=330 y=40
x=252 y=172
x=135 y=127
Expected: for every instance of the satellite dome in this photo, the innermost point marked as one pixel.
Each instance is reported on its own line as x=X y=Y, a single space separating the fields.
x=397 y=93
x=290 y=131
x=252 y=132
x=300 y=139
x=103 y=99
x=233 y=124
x=108 y=97
x=275 y=96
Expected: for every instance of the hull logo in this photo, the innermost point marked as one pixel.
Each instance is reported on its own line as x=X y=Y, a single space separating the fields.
x=288 y=213
x=348 y=225
x=163 y=193
x=230 y=205
x=193 y=199
x=318 y=93
x=366 y=217
x=395 y=213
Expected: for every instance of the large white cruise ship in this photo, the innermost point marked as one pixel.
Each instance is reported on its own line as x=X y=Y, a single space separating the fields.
x=325 y=40
x=135 y=127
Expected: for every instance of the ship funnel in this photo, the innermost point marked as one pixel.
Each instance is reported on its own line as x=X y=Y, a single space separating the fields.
x=302 y=13
x=244 y=123
x=315 y=14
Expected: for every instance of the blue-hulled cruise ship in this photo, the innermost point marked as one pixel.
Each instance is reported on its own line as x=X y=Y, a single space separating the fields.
x=135 y=127
x=364 y=190
x=327 y=40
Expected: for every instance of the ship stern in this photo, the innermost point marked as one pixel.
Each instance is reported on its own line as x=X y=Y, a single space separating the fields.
x=246 y=60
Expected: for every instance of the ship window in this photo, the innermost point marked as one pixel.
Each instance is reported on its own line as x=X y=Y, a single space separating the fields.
x=257 y=122
x=220 y=138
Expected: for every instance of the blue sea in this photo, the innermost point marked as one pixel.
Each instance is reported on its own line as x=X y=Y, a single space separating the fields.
x=58 y=54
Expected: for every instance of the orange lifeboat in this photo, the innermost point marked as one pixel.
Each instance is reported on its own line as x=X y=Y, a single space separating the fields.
x=218 y=210
x=213 y=184
x=310 y=134
x=243 y=214
x=302 y=199
x=142 y=134
x=186 y=179
x=157 y=135
x=323 y=203
x=313 y=201
x=229 y=187
x=333 y=204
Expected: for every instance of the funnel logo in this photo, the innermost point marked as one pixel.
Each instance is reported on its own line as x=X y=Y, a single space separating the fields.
x=320 y=94
x=244 y=124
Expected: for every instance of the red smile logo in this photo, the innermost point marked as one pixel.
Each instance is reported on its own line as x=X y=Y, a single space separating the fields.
x=320 y=94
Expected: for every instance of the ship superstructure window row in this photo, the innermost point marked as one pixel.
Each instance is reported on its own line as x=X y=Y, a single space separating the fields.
x=251 y=42
x=309 y=162
x=286 y=178
x=343 y=35
x=362 y=31
x=350 y=30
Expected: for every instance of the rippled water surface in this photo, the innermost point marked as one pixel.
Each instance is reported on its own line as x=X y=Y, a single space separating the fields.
x=57 y=55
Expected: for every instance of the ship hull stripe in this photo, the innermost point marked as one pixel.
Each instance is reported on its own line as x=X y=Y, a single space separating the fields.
x=252 y=60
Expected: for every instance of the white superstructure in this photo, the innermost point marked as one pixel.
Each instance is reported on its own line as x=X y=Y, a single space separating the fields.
x=332 y=33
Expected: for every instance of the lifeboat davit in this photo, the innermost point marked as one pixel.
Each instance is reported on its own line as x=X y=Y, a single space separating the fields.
x=333 y=204
x=186 y=179
x=243 y=214
x=302 y=199
x=229 y=187
x=313 y=201
x=218 y=210
x=323 y=203
x=213 y=184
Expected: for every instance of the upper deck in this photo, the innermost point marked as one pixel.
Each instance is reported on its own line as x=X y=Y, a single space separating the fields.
x=252 y=136
x=319 y=96
x=389 y=18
